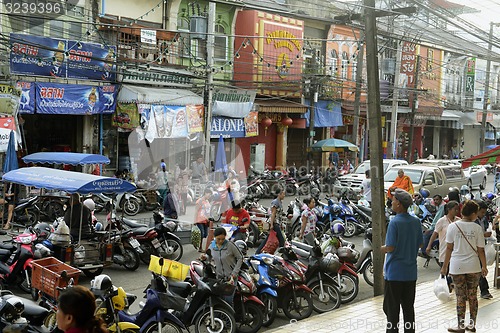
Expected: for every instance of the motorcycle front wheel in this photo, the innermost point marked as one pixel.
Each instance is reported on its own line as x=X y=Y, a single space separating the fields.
x=215 y=212
x=253 y=234
x=350 y=229
x=131 y=206
x=223 y=322
x=298 y=308
x=166 y=327
x=171 y=249
x=270 y=310
x=92 y=272
x=252 y=320
x=327 y=300
x=348 y=286
x=368 y=272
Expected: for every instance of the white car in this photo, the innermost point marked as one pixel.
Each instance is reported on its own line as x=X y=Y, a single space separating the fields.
x=476 y=176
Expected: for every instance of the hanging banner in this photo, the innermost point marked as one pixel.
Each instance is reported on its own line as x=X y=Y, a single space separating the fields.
x=44 y=56
x=7 y=124
x=74 y=99
x=227 y=127
x=126 y=116
x=179 y=125
x=144 y=110
x=233 y=103
x=252 y=124
x=195 y=118
x=27 y=97
x=91 y=61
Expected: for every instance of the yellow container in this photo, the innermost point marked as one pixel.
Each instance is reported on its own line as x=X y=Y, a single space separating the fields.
x=170 y=268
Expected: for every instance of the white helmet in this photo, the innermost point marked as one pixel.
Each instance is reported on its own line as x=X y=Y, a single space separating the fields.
x=90 y=204
x=101 y=284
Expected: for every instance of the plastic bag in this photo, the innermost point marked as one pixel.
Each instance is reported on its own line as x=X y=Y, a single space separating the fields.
x=490 y=253
x=441 y=289
x=272 y=243
x=61 y=235
x=195 y=236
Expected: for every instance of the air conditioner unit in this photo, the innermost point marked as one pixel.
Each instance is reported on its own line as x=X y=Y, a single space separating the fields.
x=198 y=27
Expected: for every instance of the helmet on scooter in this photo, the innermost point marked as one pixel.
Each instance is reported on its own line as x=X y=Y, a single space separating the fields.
x=490 y=196
x=11 y=308
x=336 y=209
x=464 y=190
x=98 y=226
x=424 y=193
x=338 y=229
x=89 y=203
x=171 y=226
x=101 y=284
x=240 y=244
x=43 y=230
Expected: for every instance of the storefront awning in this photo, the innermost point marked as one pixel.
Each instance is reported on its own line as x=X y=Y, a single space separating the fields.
x=280 y=106
x=165 y=96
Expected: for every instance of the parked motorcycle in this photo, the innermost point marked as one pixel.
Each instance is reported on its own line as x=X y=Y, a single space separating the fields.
x=127 y=202
x=319 y=272
x=205 y=307
x=16 y=257
x=171 y=247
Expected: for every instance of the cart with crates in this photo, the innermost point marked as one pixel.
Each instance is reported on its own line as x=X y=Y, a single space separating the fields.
x=50 y=275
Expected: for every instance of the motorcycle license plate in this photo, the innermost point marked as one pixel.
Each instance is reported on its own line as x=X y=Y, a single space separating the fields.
x=135 y=244
x=155 y=243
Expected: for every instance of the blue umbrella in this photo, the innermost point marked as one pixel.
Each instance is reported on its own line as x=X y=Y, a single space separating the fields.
x=220 y=158
x=11 y=155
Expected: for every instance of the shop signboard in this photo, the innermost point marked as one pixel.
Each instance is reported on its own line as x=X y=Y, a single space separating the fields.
x=7 y=124
x=76 y=99
x=228 y=127
x=27 y=97
x=62 y=58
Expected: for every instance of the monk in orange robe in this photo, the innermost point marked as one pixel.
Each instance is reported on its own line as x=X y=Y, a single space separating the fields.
x=402 y=182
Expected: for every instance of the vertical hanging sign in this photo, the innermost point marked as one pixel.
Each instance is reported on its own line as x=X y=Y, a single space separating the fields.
x=407 y=70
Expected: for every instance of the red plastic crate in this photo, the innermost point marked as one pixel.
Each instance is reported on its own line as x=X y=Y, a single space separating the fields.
x=47 y=274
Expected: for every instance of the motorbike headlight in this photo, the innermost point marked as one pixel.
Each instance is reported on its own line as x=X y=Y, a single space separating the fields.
x=243 y=288
x=25 y=239
x=268 y=260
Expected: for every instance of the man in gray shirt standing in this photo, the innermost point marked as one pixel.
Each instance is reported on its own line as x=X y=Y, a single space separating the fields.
x=199 y=169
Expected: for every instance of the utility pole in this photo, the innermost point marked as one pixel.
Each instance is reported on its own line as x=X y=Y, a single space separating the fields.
x=376 y=166
x=210 y=78
x=313 y=95
x=413 y=111
x=357 y=95
x=486 y=92
x=393 y=141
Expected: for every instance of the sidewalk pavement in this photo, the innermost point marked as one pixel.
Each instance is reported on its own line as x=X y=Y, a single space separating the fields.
x=431 y=315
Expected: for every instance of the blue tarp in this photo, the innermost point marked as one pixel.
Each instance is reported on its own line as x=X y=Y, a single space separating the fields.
x=69 y=181
x=326 y=114
x=66 y=158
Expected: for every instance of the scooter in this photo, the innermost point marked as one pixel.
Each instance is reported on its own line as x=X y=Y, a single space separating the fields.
x=154 y=315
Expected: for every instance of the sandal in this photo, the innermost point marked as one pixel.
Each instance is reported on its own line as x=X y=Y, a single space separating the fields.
x=6 y=227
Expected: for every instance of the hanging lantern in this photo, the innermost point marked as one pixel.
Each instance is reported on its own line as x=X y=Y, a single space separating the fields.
x=287 y=121
x=266 y=122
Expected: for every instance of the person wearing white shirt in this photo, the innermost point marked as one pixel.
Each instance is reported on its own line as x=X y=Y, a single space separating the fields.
x=366 y=187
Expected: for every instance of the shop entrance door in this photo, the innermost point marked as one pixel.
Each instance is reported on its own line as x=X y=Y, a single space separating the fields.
x=257 y=156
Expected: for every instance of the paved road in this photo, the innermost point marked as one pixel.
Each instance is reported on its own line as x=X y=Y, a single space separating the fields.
x=136 y=282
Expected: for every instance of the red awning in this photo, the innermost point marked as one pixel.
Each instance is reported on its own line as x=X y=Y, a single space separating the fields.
x=490 y=156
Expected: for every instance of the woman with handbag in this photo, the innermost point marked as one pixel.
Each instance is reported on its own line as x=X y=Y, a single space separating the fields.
x=274 y=220
x=467 y=262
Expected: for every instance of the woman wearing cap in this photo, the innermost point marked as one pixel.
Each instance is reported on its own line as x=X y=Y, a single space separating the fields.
x=403 y=239
x=467 y=262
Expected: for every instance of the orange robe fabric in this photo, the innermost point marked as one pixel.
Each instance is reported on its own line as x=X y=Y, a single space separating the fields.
x=403 y=183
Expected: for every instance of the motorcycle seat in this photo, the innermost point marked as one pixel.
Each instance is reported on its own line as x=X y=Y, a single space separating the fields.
x=4 y=269
x=140 y=231
x=133 y=223
x=8 y=246
x=181 y=288
x=367 y=210
x=4 y=254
